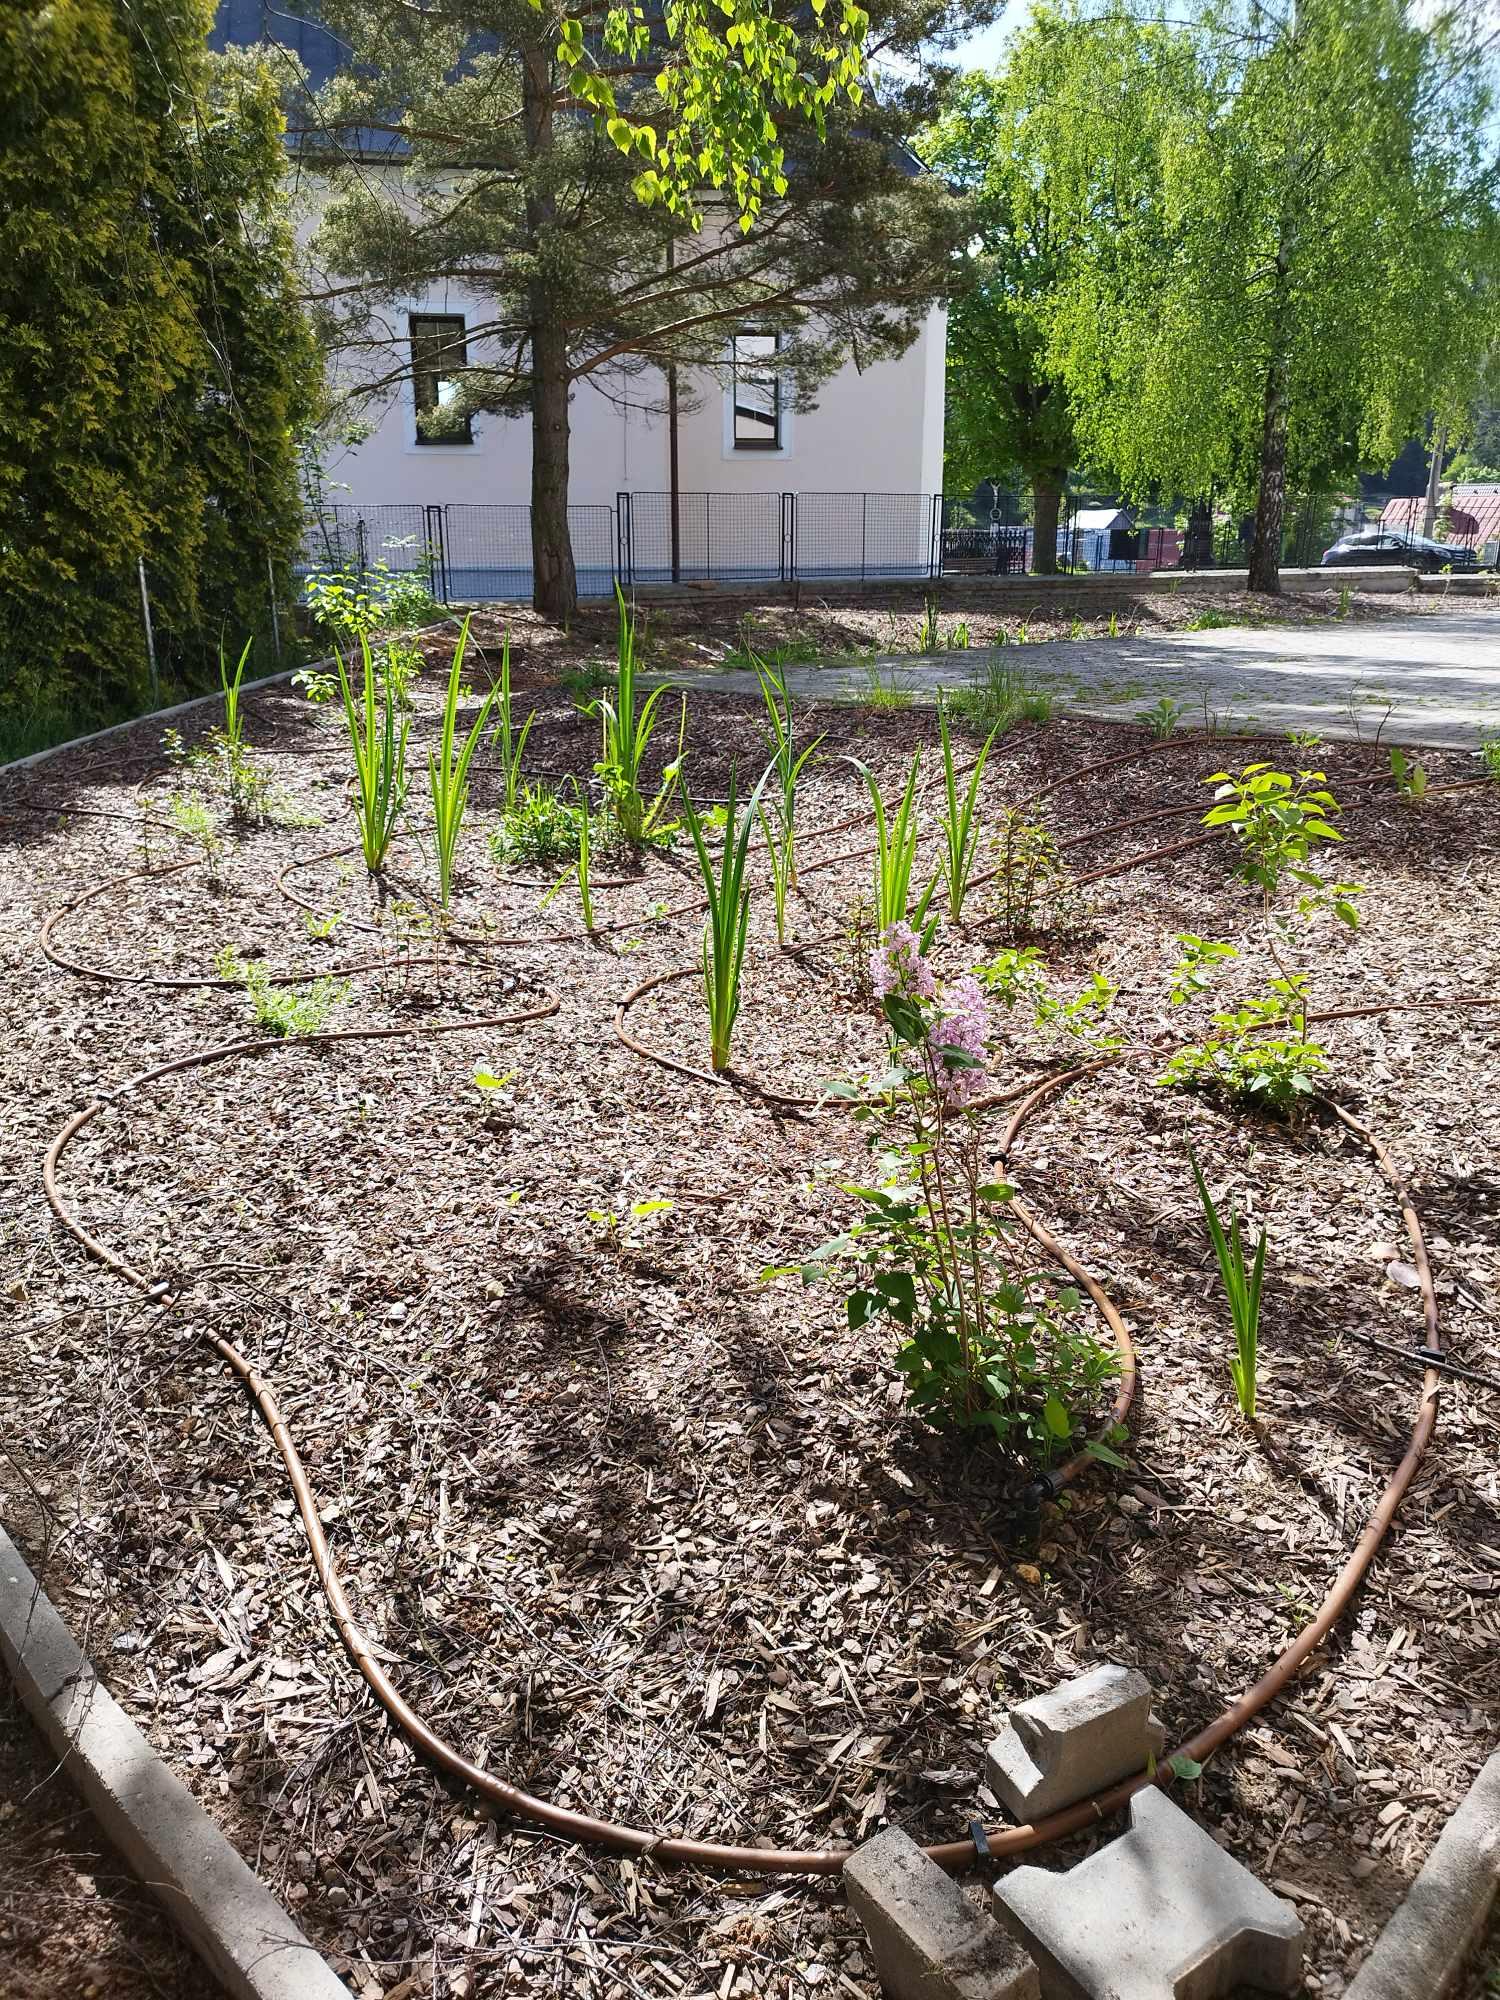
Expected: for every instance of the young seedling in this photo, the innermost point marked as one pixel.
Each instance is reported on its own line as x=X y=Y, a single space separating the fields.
x=1409 y=776
x=787 y=762
x=728 y=923
x=448 y=774
x=509 y=744
x=626 y=735
x=895 y=856
x=1242 y=1285
x=959 y=820
x=379 y=759
x=234 y=722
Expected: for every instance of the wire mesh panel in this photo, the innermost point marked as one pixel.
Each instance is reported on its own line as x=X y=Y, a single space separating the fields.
x=346 y=536
x=720 y=537
x=864 y=535
x=486 y=550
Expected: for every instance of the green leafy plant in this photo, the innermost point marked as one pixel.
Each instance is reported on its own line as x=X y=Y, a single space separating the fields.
x=1278 y=820
x=195 y=821
x=1034 y=891
x=537 y=827
x=1211 y=619
x=1243 y=1062
x=929 y=636
x=985 y=1344
x=787 y=762
x=379 y=752
x=1242 y=1287
x=886 y=687
x=281 y=1010
x=508 y=742
x=958 y=640
x=234 y=722
x=999 y=697
x=448 y=773
x=1018 y=974
x=1161 y=718
x=627 y=734
x=1489 y=756
x=1346 y=601
x=1197 y=968
x=896 y=855
x=728 y=923
x=959 y=819
x=1303 y=739
x=349 y=601
x=861 y=936
x=1409 y=775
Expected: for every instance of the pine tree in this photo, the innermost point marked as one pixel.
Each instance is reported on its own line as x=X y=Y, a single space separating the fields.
x=510 y=192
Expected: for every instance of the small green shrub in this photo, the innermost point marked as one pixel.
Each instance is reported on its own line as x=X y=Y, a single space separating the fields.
x=986 y=1345
x=379 y=753
x=282 y=1010
x=192 y=818
x=448 y=770
x=540 y=827
x=1034 y=890
x=1489 y=756
x=626 y=735
x=1161 y=718
x=1409 y=775
x=349 y=602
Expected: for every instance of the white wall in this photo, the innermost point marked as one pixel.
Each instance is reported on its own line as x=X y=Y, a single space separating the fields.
x=870 y=432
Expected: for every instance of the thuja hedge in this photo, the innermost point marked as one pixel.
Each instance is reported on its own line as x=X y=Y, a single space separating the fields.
x=154 y=361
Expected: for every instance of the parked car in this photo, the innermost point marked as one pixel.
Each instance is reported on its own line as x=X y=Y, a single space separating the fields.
x=1399 y=545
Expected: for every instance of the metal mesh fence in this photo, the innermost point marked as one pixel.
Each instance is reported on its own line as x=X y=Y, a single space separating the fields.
x=468 y=550
x=719 y=537
x=864 y=535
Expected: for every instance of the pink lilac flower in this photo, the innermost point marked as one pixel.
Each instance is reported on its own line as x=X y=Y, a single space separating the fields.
x=964 y=1031
x=897 y=966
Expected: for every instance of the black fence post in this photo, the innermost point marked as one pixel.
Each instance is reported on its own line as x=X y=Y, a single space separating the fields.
x=437 y=550
x=624 y=554
x=362 y=549
x=788 y=537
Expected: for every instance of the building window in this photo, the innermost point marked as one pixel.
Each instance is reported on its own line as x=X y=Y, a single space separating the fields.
x=438 y=353
x=757 y=393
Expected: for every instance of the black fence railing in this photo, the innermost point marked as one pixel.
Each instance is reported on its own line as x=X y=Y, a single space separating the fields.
x=479 y=550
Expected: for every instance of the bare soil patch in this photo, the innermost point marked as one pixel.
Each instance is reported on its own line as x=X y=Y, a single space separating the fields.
x=650 y=1535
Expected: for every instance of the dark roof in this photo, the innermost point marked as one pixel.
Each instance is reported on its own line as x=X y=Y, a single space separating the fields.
x=281 y=24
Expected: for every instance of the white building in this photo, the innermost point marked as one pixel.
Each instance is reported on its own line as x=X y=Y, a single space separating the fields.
x=844 y=487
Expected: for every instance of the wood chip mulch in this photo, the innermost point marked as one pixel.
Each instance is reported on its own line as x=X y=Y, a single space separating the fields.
x=646 y=1533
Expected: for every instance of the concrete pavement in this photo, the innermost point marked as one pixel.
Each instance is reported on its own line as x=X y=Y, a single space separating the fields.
x=1438 y=675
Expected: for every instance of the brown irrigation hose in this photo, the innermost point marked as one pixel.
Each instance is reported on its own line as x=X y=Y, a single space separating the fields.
x=710 y=1854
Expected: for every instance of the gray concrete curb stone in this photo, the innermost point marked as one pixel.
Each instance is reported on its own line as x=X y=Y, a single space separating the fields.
x=929 y=1942
x=227 y=1913
x=1423 y=1947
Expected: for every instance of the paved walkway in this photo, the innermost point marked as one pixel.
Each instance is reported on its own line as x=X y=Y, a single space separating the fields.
x=1439 y=676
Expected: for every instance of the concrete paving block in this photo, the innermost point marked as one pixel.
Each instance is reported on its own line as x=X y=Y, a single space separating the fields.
x=227 y=1913
x=1423 y=1947
x=1073 y=1741
x=1162 y=1913
x=928 y=1940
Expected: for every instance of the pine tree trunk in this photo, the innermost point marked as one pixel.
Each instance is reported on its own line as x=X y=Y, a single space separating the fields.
x=1046 y=498
x=554 y=582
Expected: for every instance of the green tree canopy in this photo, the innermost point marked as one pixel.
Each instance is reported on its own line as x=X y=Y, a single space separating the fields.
x=153 y=358
x=1288 y=221
x=511 y=196
x=1007 y=407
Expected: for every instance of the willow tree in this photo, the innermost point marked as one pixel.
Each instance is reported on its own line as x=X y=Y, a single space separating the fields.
x=1288 y=216
x=584 y=264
